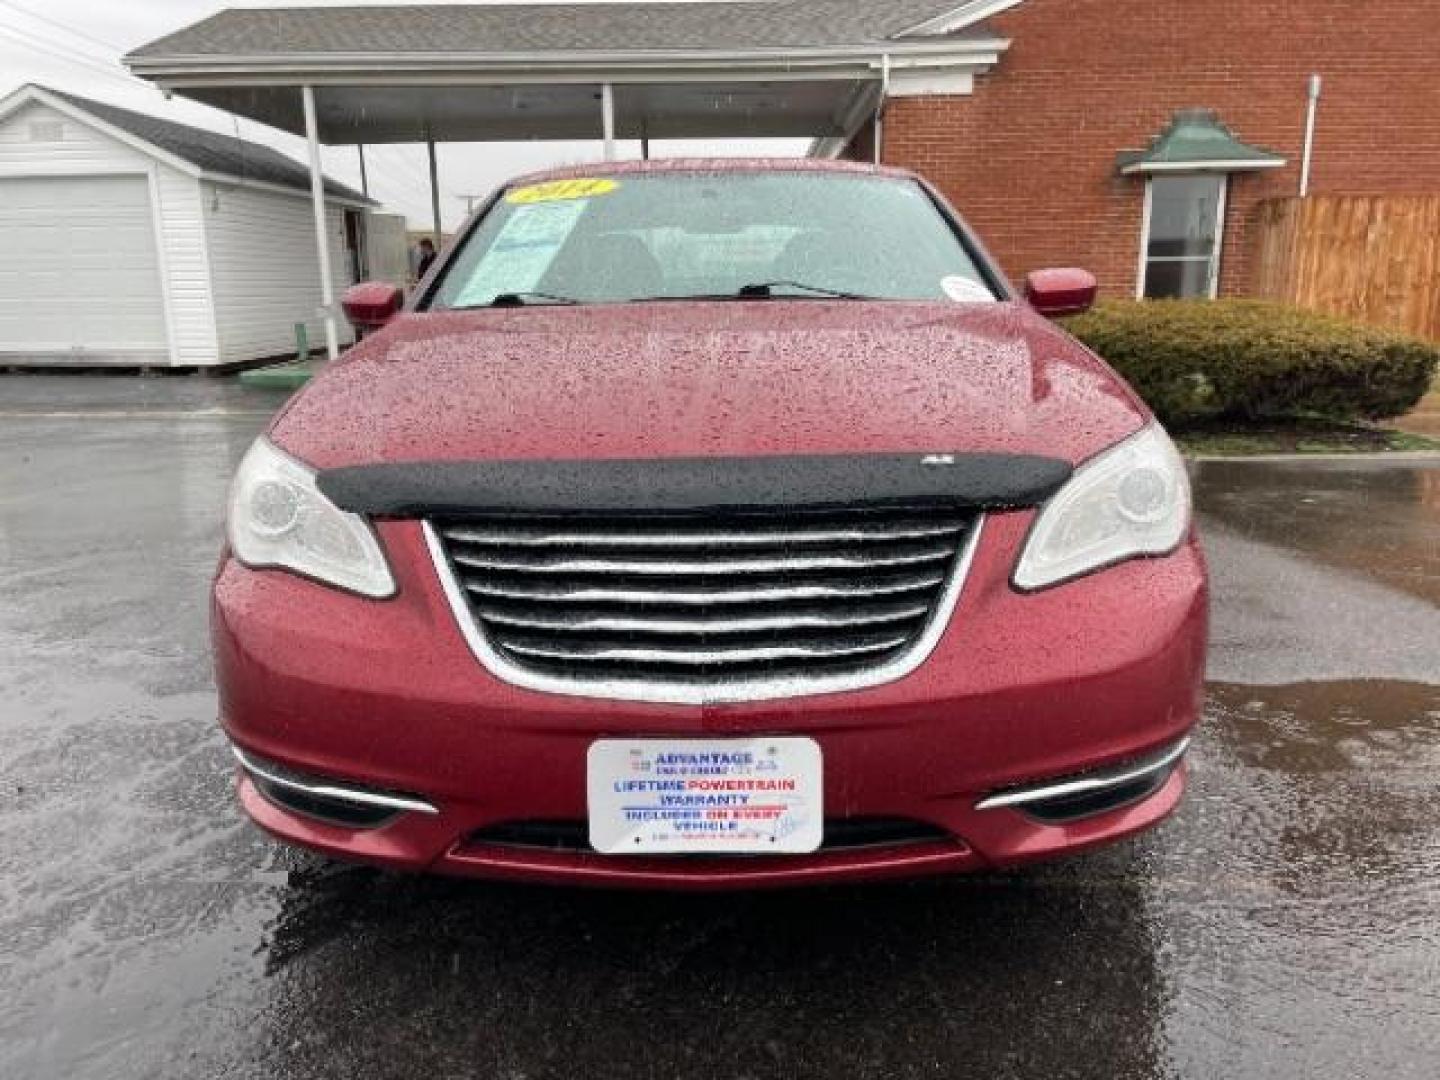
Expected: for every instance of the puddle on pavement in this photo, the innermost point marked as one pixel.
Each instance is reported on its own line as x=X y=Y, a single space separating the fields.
x=1380 y=521
x=1306 y=941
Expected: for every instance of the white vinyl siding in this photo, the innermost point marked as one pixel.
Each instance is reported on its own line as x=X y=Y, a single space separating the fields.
x=42 y=143
x=265 y=271
x=39 y=140
x=187 y=269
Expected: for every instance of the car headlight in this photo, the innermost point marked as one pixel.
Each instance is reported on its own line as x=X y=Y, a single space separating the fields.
x=1132 y=500
x=279 y=518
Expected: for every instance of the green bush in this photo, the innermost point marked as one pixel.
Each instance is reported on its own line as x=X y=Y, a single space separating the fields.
x=1195 y=361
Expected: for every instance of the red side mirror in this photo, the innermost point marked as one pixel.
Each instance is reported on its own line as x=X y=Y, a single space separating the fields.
x=372 y=304
x=1057 y=293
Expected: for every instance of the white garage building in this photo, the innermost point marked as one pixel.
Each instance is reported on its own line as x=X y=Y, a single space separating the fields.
x=133 y=241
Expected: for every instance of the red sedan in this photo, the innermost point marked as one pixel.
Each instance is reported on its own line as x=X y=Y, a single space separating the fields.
x=712 y=524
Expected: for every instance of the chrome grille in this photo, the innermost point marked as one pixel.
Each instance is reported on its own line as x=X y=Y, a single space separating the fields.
x=712 y=607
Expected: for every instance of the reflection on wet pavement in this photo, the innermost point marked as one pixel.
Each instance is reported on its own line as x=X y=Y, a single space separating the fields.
x=1285 y=924
x=1306 y=942
x=1365 y=517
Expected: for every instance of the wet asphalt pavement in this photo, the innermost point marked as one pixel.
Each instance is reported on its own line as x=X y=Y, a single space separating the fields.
x=1285 y=924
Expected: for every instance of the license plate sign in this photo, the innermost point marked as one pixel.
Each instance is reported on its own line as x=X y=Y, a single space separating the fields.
x=705 y=796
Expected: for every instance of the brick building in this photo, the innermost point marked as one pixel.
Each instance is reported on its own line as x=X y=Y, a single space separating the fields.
x=1033 y=154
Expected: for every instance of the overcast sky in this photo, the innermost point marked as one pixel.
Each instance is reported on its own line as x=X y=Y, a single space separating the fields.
x=76 y=45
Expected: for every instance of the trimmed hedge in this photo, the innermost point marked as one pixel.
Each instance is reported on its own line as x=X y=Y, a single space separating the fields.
x=1195 y=361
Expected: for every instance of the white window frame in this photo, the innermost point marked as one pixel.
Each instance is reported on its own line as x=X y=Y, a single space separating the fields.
x=1222 y=205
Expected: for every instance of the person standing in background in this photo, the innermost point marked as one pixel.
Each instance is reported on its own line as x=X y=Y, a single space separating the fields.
x=427 y=256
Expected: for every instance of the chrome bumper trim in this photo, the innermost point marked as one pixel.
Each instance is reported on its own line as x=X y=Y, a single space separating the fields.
x=1084 y=785
x=359 y=796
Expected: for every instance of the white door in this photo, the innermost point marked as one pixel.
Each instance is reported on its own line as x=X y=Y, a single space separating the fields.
x=79 y=277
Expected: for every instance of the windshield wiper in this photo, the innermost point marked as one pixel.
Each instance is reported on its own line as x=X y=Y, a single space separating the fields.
x=764 y=290
x=519 y=299
x=760 y=290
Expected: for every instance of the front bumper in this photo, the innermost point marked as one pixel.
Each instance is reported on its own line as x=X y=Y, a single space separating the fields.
x=1023 y=689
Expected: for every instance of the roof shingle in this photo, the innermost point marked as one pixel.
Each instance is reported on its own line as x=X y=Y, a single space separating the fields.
x=518 y=28
x=224 y=155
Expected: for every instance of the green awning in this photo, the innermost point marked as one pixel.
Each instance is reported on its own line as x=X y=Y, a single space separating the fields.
x=1196 y=141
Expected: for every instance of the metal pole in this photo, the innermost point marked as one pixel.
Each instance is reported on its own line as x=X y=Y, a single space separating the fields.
x=877 y=127
x=1311 y=109
x=644 y=139
x=322 y=238
x=607 y=117
x=434 y=193
x=364 y=178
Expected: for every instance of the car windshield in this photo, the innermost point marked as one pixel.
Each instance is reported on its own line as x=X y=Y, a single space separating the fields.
x=756 y=235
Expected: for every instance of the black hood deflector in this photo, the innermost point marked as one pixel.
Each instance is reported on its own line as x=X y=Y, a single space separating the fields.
x=693 y=485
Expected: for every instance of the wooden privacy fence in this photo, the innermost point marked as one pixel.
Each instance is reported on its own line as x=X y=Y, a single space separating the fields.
x=1372 y=258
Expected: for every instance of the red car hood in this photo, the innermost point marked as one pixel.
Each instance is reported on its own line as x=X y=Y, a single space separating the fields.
x=682 y=379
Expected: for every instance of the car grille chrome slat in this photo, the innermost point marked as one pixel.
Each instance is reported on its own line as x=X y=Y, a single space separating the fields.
x=774 y=593
x=672 y=537
x=523 y=562
x=709 y=606
x=702 y=655
x=654 y=623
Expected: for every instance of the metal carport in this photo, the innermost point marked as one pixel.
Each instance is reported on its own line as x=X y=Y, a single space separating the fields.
x=358 y=76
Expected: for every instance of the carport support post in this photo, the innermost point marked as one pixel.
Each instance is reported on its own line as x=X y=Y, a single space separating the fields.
x=322 y=240
x=607 y=119
x=878 y=126
x=434 y=192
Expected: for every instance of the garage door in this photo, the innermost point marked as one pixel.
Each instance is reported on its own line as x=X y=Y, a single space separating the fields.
x=79 y=277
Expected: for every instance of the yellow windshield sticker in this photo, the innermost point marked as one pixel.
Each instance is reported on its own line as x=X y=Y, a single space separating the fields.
x=560 y=190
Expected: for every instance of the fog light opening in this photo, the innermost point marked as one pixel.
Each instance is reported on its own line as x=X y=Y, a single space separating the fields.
x=1076 y=798
x=331 y=802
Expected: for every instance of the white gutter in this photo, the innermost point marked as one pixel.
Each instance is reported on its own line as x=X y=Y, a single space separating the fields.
x=552 y=68
x=568 y=58
x=1229 y=166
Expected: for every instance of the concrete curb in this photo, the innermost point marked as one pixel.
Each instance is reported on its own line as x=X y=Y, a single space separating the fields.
x=1390 y=457
x=289 y=376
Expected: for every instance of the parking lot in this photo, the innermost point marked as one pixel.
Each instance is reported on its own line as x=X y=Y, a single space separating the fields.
x=1285 y=924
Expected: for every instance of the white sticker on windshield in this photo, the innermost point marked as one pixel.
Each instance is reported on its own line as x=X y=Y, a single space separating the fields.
x=965 y=290
x=523 y=250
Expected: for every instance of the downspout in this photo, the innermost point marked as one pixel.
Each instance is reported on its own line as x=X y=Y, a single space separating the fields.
x=879 y=122
x=1310 y=112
